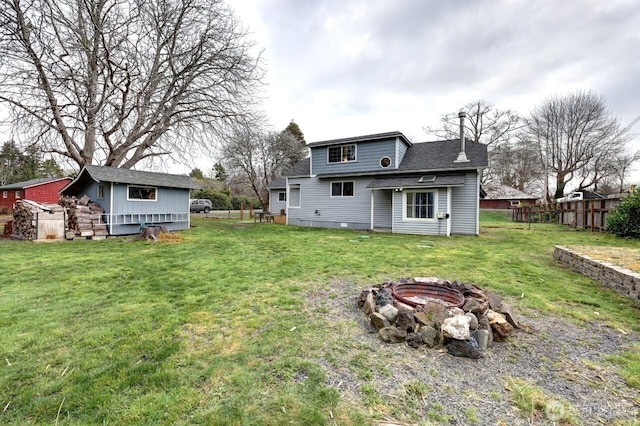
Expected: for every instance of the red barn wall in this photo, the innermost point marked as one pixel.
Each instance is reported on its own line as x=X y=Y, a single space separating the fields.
x=44 y=193
x=11 y=198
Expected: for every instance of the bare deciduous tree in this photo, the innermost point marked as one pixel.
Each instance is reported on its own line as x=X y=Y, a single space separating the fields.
x=576 y=137
x=119 y=81
x=485 y=123
x=256 y=158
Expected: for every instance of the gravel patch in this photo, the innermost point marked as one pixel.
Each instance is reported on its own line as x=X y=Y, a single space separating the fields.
x=401 y=385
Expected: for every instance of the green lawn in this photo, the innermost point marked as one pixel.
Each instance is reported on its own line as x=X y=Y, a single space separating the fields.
x=212 y=328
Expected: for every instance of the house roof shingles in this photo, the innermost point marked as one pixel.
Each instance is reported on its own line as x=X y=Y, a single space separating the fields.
x=414 y=182
x=128 y=176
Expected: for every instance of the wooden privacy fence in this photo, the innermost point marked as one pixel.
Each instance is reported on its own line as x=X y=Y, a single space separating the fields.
x=584 y=214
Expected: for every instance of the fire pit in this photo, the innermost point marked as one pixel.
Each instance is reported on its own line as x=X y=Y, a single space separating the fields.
x=414 y=294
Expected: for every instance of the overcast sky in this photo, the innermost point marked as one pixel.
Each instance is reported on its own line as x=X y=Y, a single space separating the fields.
x=343 y=68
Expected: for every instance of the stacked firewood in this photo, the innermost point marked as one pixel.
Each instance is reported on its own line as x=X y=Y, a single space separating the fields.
x=84 y=217
x=24 y=218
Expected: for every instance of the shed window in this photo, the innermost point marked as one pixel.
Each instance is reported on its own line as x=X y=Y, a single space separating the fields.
x=342 y=153
x=342 y=189
x=18 y=194
x=5 y=194
x=146 y=193
x=282 y=196
x=100 y=191
x=420 y=205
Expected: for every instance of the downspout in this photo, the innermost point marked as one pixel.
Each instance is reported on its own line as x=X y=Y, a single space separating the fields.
x=478 y=175
x=449 y=193
x=111 y=210
x=372 y=209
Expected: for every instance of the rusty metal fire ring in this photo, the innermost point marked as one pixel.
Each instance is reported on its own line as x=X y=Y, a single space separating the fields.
x=414 y=294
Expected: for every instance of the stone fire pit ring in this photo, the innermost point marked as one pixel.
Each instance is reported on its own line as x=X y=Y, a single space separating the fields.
x=414 y=294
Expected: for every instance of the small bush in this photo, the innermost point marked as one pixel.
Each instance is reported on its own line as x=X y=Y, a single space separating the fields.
x=624 y=220
x=6 y=211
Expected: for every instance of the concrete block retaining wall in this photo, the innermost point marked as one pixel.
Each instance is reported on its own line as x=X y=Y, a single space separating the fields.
x=621 y=280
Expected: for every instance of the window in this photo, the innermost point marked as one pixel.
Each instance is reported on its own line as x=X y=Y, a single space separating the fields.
x=18 y=194
x=100 y=191
x=385 y=162
x=142 y=193
x=5 y=194
x=342 y=153
x=282 y=196
x=421 y=205
x=342 y=189
x=294 y=194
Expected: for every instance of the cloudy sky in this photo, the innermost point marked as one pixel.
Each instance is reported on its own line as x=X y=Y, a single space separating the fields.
x=343 y=68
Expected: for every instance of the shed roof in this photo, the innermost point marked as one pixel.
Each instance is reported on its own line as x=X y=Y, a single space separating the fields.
x=32 y=182
x=128 y=176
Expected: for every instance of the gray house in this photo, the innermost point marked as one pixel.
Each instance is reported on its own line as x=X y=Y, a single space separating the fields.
x=385 y=182
x=131 y=198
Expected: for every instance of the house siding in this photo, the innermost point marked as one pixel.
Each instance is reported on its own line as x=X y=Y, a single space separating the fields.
x=402 y=150
x=276 y=206
x=368 y=155
x=382 y=203
x=465 y=206
x=419 y=227
x=319 y=209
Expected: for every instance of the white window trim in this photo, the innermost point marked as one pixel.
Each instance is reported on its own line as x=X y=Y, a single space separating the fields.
x=5 y=194
x=142 y=199
x=342 y=182
x=100 y=189
x=18 y=194
x=417 y=219
x=355 y=153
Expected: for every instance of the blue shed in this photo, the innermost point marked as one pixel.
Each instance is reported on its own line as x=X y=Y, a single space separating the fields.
x=131 y=198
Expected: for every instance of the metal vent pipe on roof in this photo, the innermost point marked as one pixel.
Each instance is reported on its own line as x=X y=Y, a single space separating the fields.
x=462 y=156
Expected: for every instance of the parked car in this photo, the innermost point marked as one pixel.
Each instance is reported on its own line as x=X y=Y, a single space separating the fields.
x=200 y=205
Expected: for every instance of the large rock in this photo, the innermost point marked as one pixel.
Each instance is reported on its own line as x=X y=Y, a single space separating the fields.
x=475 y=305
x=378 y=321
x=392 y=334
x=369 y=304
x=456 y=327
x=473 y=320
x=483 y=324
x=405 y=320
x=414 y=340
x=495 y=302
x=389 y=312
x=499 y=324
x=384 y=297
x=508 y=313
x=434 y=314
x=465 y=348
x=430 y=336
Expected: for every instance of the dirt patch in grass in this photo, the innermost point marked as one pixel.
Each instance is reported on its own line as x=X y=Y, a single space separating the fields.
x=623 y=257
x=559 y=366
